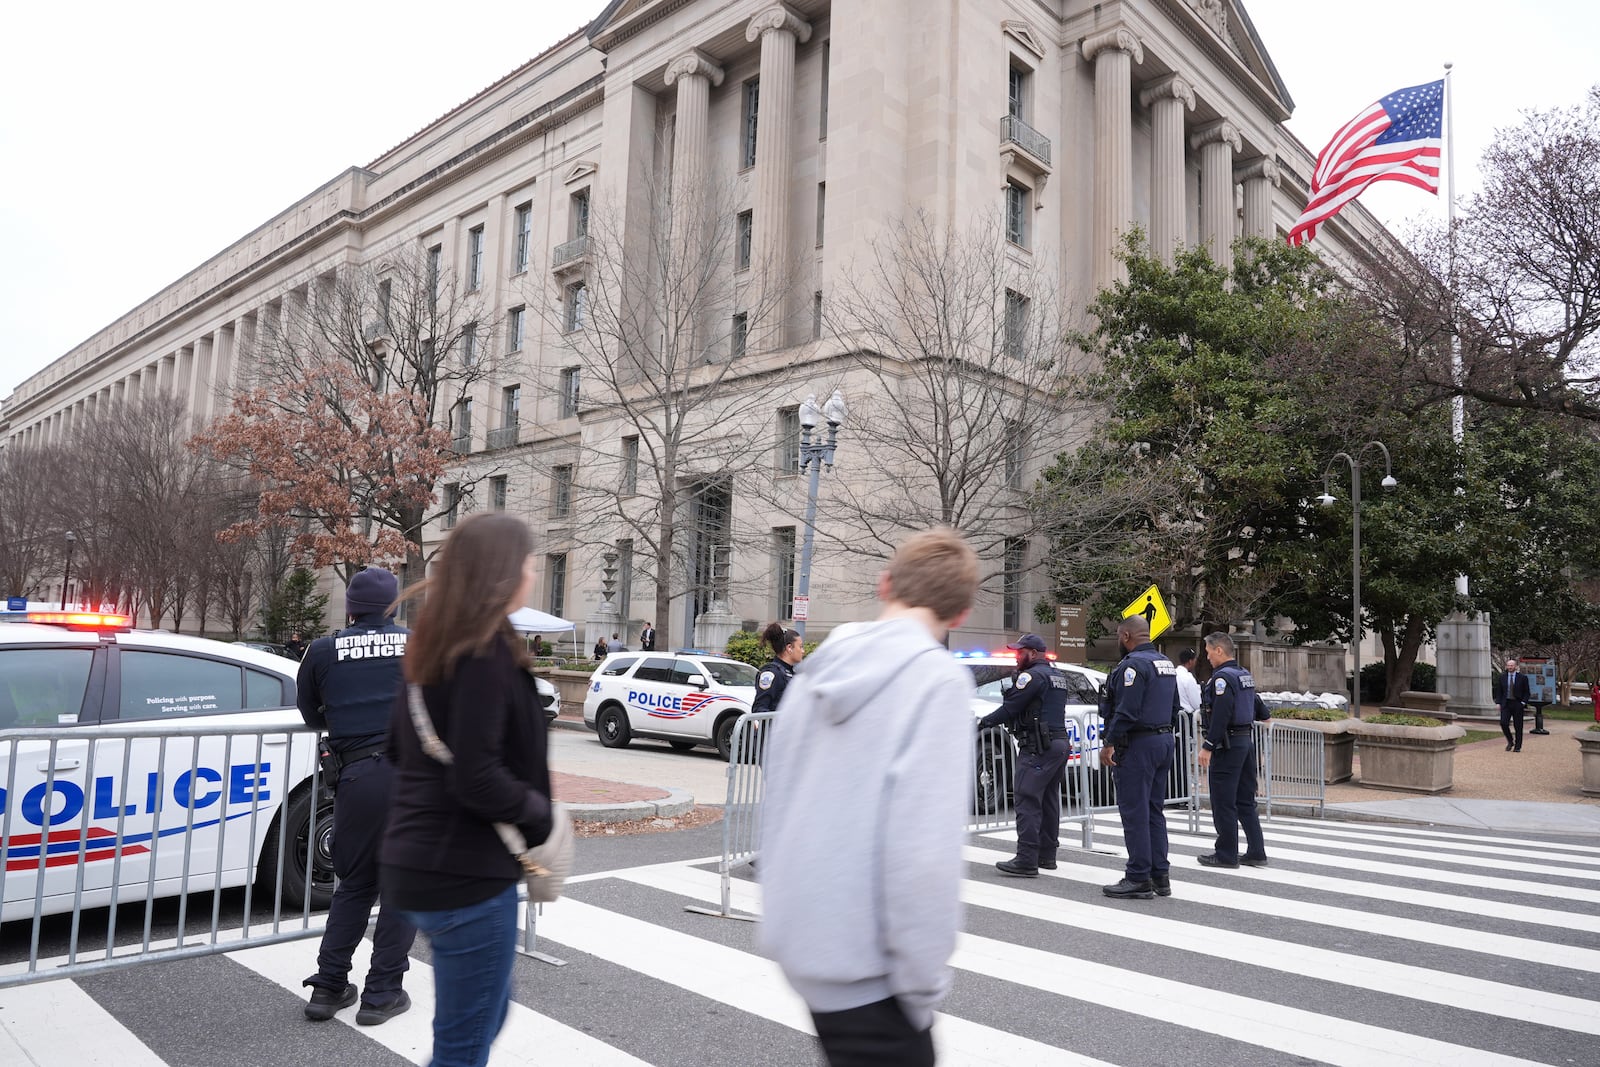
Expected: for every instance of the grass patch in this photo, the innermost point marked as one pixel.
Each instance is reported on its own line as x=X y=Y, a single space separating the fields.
x=1390 y=718
x=1480 y=735
x=1312 y=714
x=1582 y=713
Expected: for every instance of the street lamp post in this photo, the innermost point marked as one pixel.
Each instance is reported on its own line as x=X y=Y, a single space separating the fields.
x=814 y=455
x=66 y=576
x=1327 y=500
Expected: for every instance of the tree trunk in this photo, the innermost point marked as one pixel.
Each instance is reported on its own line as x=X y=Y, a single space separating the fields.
x=1399 y=662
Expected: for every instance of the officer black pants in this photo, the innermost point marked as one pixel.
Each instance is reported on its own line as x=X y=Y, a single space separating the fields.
x=873 y=1035
x=360 y=810
x=1508 y=720
x=1233 y=799
x=1038 y=800
x=1141 y=775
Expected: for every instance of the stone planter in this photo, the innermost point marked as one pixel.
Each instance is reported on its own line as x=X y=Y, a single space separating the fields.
x=1589 y=743
x=573 y=686
x=1416 y=759
x=1338 y=747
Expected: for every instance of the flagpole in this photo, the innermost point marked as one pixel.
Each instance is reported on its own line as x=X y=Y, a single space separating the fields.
x=1458 y=403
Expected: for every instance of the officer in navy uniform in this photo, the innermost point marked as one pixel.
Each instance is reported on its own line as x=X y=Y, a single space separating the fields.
x=347 y=686
x=788 y=649
x=1139 y=746
x=1038 y=698
x=1229 y=754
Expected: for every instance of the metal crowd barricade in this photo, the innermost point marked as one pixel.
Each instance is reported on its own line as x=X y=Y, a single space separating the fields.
x=1290 y=766
x=89 y=803
x=741 y=813
x=995 y=773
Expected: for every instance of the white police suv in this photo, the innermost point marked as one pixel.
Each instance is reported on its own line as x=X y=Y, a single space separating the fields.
x=683 y=698
x=100 y=815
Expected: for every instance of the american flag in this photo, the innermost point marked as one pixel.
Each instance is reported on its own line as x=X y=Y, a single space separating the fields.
x=1396 y=139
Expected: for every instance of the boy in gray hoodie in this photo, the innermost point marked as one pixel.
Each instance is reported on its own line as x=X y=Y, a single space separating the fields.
x=866 y=797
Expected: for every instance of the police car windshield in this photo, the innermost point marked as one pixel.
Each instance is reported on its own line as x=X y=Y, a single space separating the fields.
x=726 y=672
x=984 y=673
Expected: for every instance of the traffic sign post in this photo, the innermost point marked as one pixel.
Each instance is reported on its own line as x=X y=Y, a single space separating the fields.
x=1153 y=608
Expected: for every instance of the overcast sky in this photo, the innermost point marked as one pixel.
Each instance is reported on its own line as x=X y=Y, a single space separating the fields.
x=139 y=139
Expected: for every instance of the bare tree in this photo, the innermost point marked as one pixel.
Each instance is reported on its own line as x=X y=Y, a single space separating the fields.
x=358 y=400
x=31 y=540
x=669 y=334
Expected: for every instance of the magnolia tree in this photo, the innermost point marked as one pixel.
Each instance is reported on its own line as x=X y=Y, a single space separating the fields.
x=359 y=389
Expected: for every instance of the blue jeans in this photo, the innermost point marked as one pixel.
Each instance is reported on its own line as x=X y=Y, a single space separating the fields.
x=473 y=949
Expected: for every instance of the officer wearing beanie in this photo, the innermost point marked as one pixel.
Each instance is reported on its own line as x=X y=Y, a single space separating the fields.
x=1035 y=710
x=348 y=684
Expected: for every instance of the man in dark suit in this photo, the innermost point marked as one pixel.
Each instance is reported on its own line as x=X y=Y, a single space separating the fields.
x=1511 y=693
x=647 y=637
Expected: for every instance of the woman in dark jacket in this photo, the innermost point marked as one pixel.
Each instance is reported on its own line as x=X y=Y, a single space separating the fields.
x=788 y=649
x=443 y=864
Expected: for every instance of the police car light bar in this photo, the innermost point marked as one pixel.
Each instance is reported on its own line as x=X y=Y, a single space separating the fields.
x=80 y=620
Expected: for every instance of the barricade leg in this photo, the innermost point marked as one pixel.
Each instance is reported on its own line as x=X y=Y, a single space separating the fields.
x=741 y=813
x=530 y=938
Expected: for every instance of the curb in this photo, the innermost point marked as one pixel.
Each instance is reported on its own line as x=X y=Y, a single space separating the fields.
x=677 y=802
x=568 y=724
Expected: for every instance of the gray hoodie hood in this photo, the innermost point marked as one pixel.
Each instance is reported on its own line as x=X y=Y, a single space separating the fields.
x=848 y=672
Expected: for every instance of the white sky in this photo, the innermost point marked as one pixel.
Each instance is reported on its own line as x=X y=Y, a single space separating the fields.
x=139 y=139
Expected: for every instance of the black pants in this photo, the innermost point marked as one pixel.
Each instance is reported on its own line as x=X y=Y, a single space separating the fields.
x=1141 y=776
x=873 y=1035
x=1038 y=800
x=1233 y=799
x=1507 y=720
x=359 y=813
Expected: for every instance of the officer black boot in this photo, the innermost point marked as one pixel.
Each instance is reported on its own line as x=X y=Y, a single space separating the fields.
x=1047 y=861
x=1163 y=884
x=1128 y=889
x=1017 y=869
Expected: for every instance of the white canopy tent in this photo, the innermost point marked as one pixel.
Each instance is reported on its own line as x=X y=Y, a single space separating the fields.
x=533 y=621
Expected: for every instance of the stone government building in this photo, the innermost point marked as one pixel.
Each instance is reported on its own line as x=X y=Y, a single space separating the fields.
x=1069 y=119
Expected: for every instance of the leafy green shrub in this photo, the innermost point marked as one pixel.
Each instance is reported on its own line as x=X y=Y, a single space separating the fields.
x=746 y=647
x=1391 y=718
x=1313 y=714
x=1594 y=728
x=1375 y=680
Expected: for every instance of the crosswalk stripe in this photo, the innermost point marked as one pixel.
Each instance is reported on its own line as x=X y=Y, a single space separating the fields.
x=528 y=1037
x=1529 y=851
x=1294 y=1031
x=750 y=983
x=1431 y=833
x=46 y=1024
x=1420 y=930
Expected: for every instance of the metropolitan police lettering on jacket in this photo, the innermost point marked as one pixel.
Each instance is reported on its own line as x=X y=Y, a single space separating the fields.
x=369 y=645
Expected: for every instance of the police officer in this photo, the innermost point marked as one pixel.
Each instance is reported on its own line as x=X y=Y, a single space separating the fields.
x=1035 y=711
x=788 y=649
x=1228 y=753
x=1143 y=691
x=348 y=684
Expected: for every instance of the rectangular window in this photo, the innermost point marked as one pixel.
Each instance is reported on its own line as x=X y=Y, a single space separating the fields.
x=1015 y=445
x=783 y=570
x=569 y=392
x=580 y=213
x=630 y=466
x=752 y=106
x=816 y=315
x=469 y=344
x=462 y=420
x=1017 y=214
x=516 y=323
x=827 y=48
x=822 y=209
x=522 y=230
x=510 y=405
x=435 y=271
x=497 y=493
x=1016 y=324
x=787 y=448
x=740 y=334
x=625 y=577
x=1011 y=600
x=385 y=298
x=1017 y=93
x=475 y=259
x=561 y=492
x=577 y=306
x=452 y=504
x=745 y=231
x=555 y=582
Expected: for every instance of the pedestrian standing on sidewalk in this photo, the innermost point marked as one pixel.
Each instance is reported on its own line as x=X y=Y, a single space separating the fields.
x=866 y=797
x=1228 y=754
x=347 y=684
x=1511 y=693
x=1188 y=688
x=444 y=864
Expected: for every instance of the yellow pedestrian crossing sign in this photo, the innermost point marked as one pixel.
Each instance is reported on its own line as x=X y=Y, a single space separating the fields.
x=1153 y=608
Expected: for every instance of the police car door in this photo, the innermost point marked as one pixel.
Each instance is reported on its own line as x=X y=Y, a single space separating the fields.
x=43 y=784
x=203 y=804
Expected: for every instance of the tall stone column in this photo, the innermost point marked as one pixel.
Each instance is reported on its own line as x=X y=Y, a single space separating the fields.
x=1167 y=100
x=1113 y=54
x=1216 y=144
x=1259 y=177
x=778 y=28
x=695 y=75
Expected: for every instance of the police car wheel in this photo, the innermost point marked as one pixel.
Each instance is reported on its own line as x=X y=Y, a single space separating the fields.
x=724 y=736
x=681 y=746
x=297 y=816
x=612 y=726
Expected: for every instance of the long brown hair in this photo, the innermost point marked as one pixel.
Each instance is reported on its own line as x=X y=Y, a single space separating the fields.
x=477 y=572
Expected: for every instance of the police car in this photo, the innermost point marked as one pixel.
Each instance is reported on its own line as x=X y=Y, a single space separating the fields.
x=992 y=674
x=135 y=811
x=682 y=698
